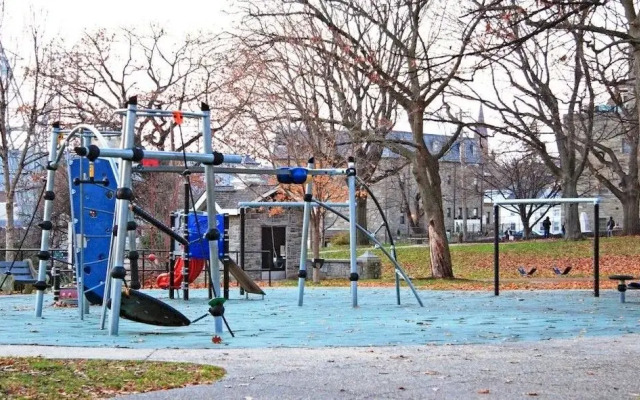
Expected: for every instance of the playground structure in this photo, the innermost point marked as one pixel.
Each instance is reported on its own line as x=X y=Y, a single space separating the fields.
x=596 y=239
x=117 y=187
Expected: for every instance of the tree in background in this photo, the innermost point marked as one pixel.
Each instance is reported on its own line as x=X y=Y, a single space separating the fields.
x=25 y=103
x=411 y=52
x=522 y=176
x=543 y=90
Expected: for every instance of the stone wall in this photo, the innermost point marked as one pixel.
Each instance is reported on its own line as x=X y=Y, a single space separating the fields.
x=255 y=220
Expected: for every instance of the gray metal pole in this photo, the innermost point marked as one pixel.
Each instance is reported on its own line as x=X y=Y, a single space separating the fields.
x=86 y=141
x=107 y=279
x=596 y=250
x=214 y=267
x=353 y=277
x=306 y=216
x=48 y=210
x=123 y=197
x=285 y=204
x=129 y=154
x=496 y=250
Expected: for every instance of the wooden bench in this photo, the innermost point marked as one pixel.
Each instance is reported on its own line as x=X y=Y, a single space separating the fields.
x=21 y=272
x=623 y=286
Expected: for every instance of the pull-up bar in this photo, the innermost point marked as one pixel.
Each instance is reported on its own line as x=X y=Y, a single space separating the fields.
x=596 y=234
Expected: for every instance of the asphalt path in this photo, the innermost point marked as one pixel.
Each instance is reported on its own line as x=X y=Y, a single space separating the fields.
x=582 y=368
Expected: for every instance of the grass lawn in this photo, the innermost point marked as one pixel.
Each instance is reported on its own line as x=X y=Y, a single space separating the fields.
x=40 y=378
x=473 y=263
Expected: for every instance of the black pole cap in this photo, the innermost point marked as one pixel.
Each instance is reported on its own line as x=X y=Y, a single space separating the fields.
x=118 y=272
x=212 y=234
x=351 y=159
x=93 y=152
x=40 y=285
x=133 y=100
x=312 y=160
x=353 y=277
x=302 y=274
x=204 y=106
x=124 y=193
x=217 y=310
x=56 y=125
x=44 y=255
x=46 y=225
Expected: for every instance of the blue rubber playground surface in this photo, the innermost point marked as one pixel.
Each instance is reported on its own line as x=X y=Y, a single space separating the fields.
x=328 y=320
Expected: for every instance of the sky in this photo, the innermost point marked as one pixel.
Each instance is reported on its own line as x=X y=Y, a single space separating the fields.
x=68 y=19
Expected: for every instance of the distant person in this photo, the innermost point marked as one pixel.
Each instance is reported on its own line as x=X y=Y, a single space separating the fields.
x=610 y=225
x=564 y=230
x=546 y=227
x=506 y=235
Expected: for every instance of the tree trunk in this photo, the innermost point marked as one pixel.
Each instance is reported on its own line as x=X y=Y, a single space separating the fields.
x=361 y=219
x=465 y=207
x=571 y=211
x=10 y=240
x=631 y=214
x=427 y=175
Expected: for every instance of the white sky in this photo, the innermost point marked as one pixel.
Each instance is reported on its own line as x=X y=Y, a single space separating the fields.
x=69 y=18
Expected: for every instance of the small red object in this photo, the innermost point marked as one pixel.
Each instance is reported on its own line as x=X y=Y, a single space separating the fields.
x=177 y=117
x=151 y=257
x=216 y=339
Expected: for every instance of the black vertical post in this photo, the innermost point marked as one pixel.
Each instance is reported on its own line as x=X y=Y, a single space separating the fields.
x=496 y=250
x=225 y=255
x=172 y=255
x=185 y=234
x=55 y=276
x=596 y=250
x=242 y=240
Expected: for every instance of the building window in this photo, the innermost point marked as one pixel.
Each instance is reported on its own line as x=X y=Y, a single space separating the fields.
x=448 y=179
x=466 y=212
x=488 y=217
x=459 y=212
x=401 y=219
x=471 y=149
x=449 y=212
x=625 y=147
x=475 y=212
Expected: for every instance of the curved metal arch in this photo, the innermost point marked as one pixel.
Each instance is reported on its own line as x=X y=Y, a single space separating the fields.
x=101 y=138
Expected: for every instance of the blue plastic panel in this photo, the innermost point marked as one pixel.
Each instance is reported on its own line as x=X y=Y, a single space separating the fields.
x=198 y=246
x=99 y=207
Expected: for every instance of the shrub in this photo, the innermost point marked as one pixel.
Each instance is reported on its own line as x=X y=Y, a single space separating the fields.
x=340 y=239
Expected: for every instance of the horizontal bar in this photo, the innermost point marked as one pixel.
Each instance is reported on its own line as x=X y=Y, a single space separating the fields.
x=146 y=112
x=166 y=155
x=256 y=204
x=87 y=132
x=237 y=170
x=592 y=200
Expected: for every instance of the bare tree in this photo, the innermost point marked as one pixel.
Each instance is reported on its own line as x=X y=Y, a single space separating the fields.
x=411 y=51
x=104 y=69
x=523 y=176
x=543 y=92
x=24 y=106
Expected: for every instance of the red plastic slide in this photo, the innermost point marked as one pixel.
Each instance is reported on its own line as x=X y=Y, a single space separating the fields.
x=196 y=265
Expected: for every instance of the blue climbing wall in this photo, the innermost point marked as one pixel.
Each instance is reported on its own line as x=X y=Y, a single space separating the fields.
x=99 y=208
